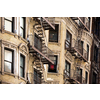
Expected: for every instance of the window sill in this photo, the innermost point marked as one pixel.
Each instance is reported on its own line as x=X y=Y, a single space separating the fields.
x=11 y=74
x=51 y=73
x=54 y=43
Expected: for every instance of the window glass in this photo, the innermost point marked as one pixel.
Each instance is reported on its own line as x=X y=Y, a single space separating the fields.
x=21 y=32
x=53 y=34
x=22 y=65
x=8 y=26
x=53 y=68
x=7 y=66
x=21 y=72
x=8 y=55
x=22 y=22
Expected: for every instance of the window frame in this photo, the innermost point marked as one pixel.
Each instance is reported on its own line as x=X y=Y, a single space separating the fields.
x=12 y=23
x=24 y=31
x=12 y=63
x=23 y=65
x=67 y=42
x=56 y=31
x=55 y=65
x=68 y=72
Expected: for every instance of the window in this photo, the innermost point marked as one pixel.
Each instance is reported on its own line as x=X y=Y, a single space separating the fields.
x=94 y=78
x=38 y=42
x=67 y=67
x=86 y=77
x=53 y=34
x=22 y=27
x=95 y=54
x=80 y=46
x=9 y=24
x=87 y=52
x=22 y=65
x=79 y=75
x=37 y=77
x=8 y=61
x=53 y=68
x=68 y=39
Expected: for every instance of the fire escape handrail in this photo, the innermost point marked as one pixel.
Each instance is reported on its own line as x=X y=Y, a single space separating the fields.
x=74 y=75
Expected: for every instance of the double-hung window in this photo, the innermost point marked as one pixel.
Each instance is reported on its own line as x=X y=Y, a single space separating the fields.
x=68 y=39
x=22 y=27
x=87 y=52
x=22 y=65
x=67 y=68
x=9 y=24
x=53 y=34
x=8 y=60
x=53 y=68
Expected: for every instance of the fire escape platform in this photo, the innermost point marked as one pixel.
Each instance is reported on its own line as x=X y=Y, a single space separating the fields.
x=73 y=50
x=43 y=58
x=79 y=18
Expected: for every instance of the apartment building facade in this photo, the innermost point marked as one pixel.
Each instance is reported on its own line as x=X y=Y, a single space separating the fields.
x=21 y=56
x=71 y=42
x=49 y=50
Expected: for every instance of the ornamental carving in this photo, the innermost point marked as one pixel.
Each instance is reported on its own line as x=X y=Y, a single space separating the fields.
x=69 y=56
x=23 y=47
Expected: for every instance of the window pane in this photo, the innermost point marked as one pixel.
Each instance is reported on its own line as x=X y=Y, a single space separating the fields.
x=22 y=32
x=8 y=26
x=68 y=37
x=22 y=22
x=7 y=67
x=21 y=72
x=22 y=61
x=9 y=18
x=8 y=55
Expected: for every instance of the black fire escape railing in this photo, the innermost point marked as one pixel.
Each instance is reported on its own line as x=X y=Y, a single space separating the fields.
x=75 y=76
x=74 y=47
x=82 y=22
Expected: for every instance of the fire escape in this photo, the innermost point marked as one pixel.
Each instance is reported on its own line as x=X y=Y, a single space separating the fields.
x=41 y=53
x=78 y=51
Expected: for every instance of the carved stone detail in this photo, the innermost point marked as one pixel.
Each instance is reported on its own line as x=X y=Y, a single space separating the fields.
x=23 y=47
x=69 y=56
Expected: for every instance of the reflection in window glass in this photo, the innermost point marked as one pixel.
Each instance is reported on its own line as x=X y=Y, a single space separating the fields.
x=8 y=61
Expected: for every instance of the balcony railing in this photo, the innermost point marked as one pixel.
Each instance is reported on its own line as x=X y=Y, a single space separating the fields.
x=34 y=79
x=85 y=21
x=41 y=50
x=74 y=47
x=74 y=76
x=82 y=21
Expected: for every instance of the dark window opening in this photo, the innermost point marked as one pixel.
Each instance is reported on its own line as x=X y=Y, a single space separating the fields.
x=67 y=68
x=9 y=24
x=37 y=77
x=79 y=75
x=94 y=78
x=86 y=77
x=22 y=65
x=38 y=42
x=53 y=68
x=8 y=61
x=87 y=52
x=22 y=27
x=95 y=54
x=68 y=39
x=53 y=34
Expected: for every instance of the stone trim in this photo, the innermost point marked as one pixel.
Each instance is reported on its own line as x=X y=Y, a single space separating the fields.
x=6 y=44
x=23 y=49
